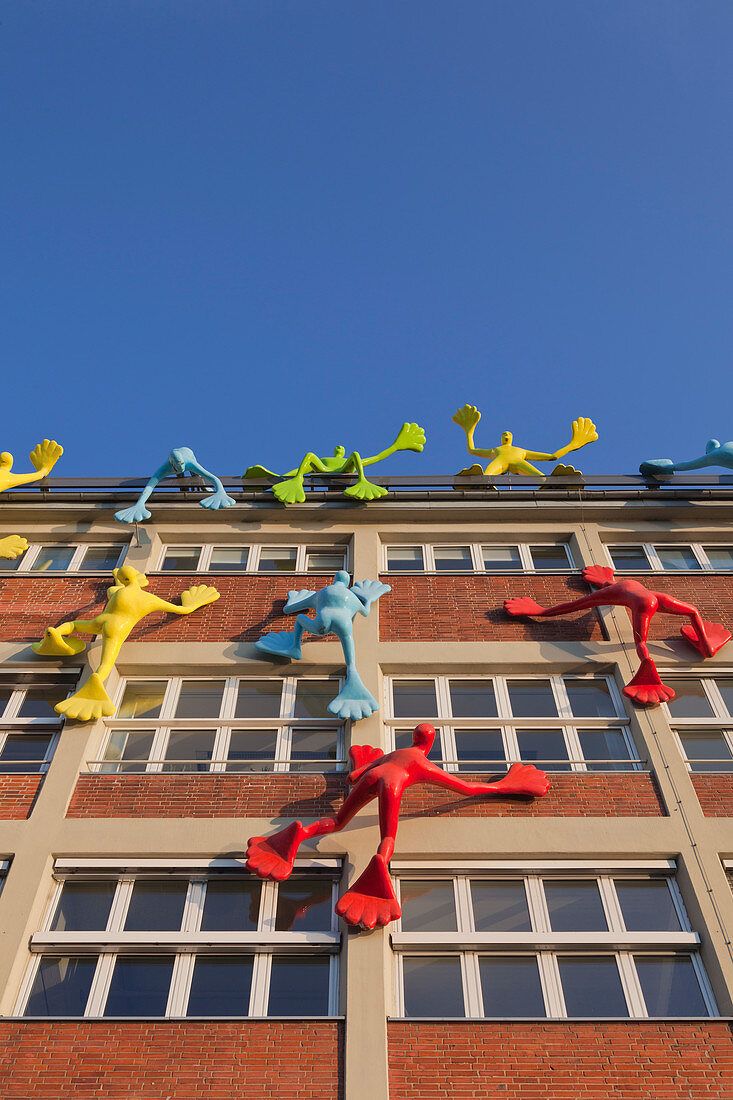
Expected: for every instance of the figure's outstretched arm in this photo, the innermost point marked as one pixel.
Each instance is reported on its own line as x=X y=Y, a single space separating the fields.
x=411 y=437
x=191 y=600
x=44 y=457
x=138 y=511
x=452 y=782
x=697 y=463
x=525 y=605
x=221 y=498
x=539 y=456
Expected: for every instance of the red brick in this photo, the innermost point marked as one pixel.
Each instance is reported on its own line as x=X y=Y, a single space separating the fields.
x=714 y=792
x=18 y=794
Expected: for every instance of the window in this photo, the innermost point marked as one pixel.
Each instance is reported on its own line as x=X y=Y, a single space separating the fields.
x=224 y=724
x=67 y=558
x=207 y=558
x=560 y=723
x=29 y=726
x=546 y=940
x=670 y=558
x=476 y=557
x=701 y=715
x=185 y=940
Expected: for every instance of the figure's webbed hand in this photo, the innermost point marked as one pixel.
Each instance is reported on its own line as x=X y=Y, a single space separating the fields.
x=370 y=591
x=219 y=499
x=198 y=596
x=584 y=431
x=467 y=417
x=522 y=605
x=13 y=546
x=411 y=437
x=44 y=456
x=135 y=514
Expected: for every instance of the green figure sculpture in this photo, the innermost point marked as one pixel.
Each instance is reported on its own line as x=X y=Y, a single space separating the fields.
x=411 y=437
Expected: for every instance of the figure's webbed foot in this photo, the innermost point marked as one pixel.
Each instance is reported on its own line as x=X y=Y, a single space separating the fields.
x=54 y=645
x=524 y=779
x=657 y=467
x=290 y=492
x=715 y=635
x=273 y=856
x=522 y=605
x=218 y=500
x=561 y=470
x=647 y=688
x=12 y=546
x=135 y=514
x=476 y=470
x=281 y=643
x=371 y=901
x=353 y=701
x=90 y=701
x=365 y=490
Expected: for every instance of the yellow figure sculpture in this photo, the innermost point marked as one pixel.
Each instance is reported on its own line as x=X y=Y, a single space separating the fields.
x=126 y=605
x=12 y=546
x=44 y=457
x=509 y=459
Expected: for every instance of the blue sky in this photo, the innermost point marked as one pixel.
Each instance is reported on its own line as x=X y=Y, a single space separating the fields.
x=260 y=227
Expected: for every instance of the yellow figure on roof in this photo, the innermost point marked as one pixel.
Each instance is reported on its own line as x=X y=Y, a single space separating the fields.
x=44 y=457
x=127 y=605
x=509 y=459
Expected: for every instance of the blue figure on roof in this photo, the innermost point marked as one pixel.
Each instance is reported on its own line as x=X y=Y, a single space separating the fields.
x=335 y=607
x=716 y=454
x=180 y=461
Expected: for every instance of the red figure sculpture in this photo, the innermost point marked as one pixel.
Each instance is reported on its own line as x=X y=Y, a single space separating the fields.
x=642 y=604
x=371 y=900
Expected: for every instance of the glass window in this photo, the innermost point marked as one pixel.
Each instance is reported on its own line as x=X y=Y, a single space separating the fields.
x=304 y=905
x=546 y=746
x=592 y=986
x=511 y=986
x=53 y=559
x=11 y=565
x=129 y=749
x=61 y=986
x=142 y=699
x=433 y=985
x=405 y=559
x=500 y=906
x=549 y=557
x=84 y=907
x=5 y=694
x=720 y=557
x=156 y=905
x=428 y=905
x=229 y=559
x=707 y=752
x=258 y=699
x=326 y=561
x=231 y=905
x=249 y=750
x=725 y=687
x=139 y=985
x=677 y=557
x=630 y=559
x=690 y=699
x=220 y=985
x=200 y=699
x=532 y=699
x=189 y=750
x=472 y=699
x=181 y=559
x=453 y=557
x=39 y=703
x=575 y=906
x=590 y=698
x=647 y=905
x=501 y=558
x=101 y=559
x=298 y=986
x=403 y=740
x=414 y=699
x=312 y=698
x=310 y=748
x=607 y=750
x=278 y=559
x=670 y=985
x=23 y=752
x=476 y=748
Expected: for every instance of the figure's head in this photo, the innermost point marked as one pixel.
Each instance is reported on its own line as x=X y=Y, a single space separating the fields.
x=506 y=439
x=6 y=460
x=179 y=459
x=342 y=577
x=423 y=737
x=712 y=445
x=127 y=575
x=339 y=451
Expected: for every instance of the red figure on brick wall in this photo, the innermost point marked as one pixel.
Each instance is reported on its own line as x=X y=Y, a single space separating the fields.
x=371 y=901
x=642 y=604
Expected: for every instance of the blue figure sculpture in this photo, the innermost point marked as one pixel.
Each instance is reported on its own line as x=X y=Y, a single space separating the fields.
x=335 y=607
x=716 y=454
x=180 y=461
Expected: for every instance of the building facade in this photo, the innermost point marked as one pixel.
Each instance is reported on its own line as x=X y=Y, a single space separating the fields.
x=578 y=944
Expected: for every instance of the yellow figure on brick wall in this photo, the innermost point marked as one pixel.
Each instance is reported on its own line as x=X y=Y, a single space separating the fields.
x=127 y=604
x=44 y=457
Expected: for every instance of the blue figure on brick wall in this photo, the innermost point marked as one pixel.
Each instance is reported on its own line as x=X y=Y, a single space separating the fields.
x=716 y=454
x=335 y=607
x=180 y=461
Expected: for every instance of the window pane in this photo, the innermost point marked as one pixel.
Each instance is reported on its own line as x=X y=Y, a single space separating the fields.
x=472 y=698
x=220 y=985
x=590 y=698
x=575 y=906
x=500 y=906
x=503 y=558
x=101 y=559
x=544 y=746
x=677 y=557
x=181 y=559
x=298 y=986
x=231 y=905
x=476 y=748
x=200 y=699
x=511 y=986
x=142 y=699
x=132 y=746
x=61 y=986
x=23 y=752
x=707 y=752
x=39 y=702
x=326 y=561
x=53 y=559
x=313 y=696
x=156 y=906
x=277 y=559
x=414 y=699
x=725 y=687
x=190 y=749
x=405 y=559
x=139 y=985
x=5 y=694
x=606 y=750
x=647 y=905
x=433 y=986
x=258 y=699
x=403 y=740
x=229 y=559
x=317 y=746
x=428 y=905
x=670 y=985
x=532 y=699
x=592 y=986
x=453 y=557
x=84 y=907
x=11 y=565
x=690 y=701
x=549 y=557
x=251 y=750
x=721 y=557
x=630 y=558
x=304 y=905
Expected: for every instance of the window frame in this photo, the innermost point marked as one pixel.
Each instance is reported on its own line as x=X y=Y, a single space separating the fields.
x=719 y=722
x=11 y=722
x=76 y=565
x=254 y=549
x=655 y=562
x=477 y=558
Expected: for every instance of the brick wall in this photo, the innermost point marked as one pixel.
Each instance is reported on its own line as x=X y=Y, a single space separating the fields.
x=144 y=1060
x=632 y=794
x=714 y=792
x=17 y=795
x=561 y=1061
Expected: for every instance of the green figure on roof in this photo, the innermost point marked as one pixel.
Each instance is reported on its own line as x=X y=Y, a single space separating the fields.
x=410 y=437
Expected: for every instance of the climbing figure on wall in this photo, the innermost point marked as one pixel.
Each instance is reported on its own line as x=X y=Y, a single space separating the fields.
x=180 y=461
x=716 y=454
x=44 y=457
